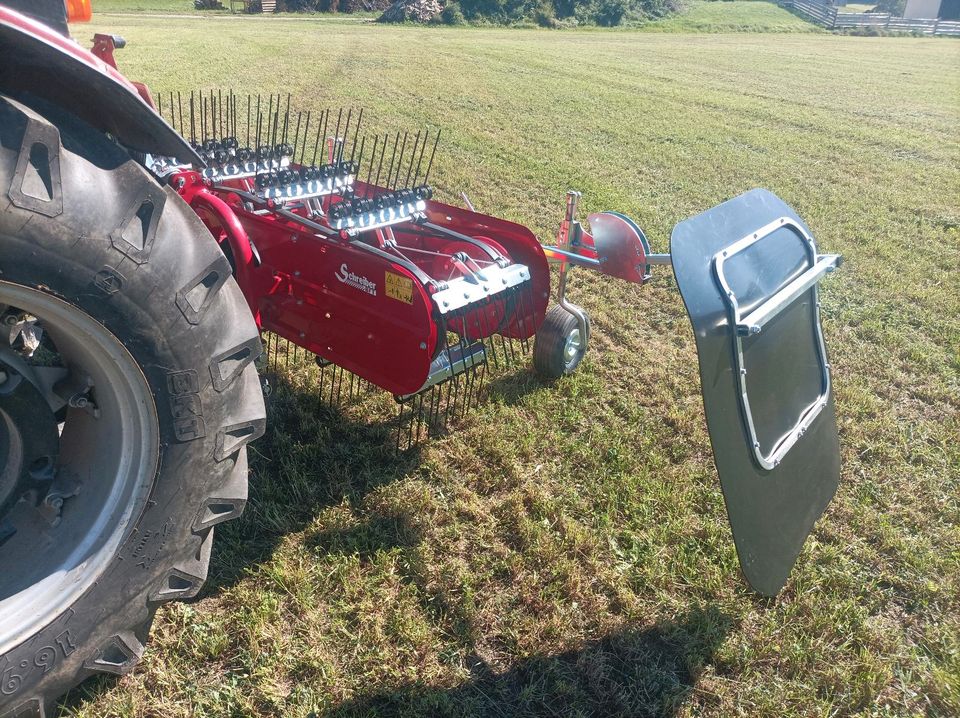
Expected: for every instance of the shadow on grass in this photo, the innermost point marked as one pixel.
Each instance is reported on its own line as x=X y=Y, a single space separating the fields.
x=635 y=673
x=314 y=456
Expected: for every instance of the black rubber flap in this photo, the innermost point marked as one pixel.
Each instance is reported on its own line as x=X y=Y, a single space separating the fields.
x=771 y=510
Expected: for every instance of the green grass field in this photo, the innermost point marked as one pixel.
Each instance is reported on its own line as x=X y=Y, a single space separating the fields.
x=566 y=552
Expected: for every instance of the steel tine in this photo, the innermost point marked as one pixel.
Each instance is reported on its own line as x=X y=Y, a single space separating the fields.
x=249 y=102
x=393 y=157
x=403 y=148
x=356 y=134
x=296 y=136
x=426 y=177
x=423 y=149
x=332 y=155
x=326 y=119
x=269 y=117
x=383 y=150
x=180 y=111
x=173 y=119
x=341 y=145
x=436 y=409
x=399 y=425
x=522 y=318
x=413 y=154
x=428 y=421
x=259 y=119
x=483 y=373
x=320 y=387
x=423 y=417
x=193 y=131
x=468 y=376
x=286 y=120
x=414 y=432
x=486 y=335
x=363 y=144
x=410 y=431
x=276 y=125
x=503 y=343
x=373 y=157
x=306 y=133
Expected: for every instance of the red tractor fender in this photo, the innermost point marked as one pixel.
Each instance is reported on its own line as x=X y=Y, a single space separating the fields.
x=37 y=61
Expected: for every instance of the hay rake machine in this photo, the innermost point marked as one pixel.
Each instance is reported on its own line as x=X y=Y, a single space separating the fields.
x=129 y=338
x=350 y=258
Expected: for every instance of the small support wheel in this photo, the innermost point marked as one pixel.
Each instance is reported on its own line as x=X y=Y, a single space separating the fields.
x=559 y=347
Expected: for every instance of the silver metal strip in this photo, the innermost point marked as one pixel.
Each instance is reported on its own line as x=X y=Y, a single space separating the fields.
x=451 y=363
x=462 y=291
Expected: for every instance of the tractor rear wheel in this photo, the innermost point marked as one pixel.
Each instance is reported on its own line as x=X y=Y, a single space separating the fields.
x=128 y=394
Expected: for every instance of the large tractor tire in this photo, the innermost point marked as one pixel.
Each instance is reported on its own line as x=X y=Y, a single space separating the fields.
x=128 y=395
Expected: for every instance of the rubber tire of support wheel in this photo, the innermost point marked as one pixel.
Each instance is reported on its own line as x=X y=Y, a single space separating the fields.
x=173 y=304
x=550 y=357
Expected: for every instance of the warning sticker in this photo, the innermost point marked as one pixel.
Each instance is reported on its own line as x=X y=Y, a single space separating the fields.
x=399 y=287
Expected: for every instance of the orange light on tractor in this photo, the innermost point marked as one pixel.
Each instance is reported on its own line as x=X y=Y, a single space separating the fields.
x=79 y=10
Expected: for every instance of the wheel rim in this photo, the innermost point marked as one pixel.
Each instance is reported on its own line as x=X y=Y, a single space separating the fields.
x=572 y=348
x=107 y=441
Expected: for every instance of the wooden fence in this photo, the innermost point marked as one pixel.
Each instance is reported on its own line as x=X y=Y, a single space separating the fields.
x=830 y=17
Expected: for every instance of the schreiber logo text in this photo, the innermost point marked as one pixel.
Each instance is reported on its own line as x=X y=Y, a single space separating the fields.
x=355 y=280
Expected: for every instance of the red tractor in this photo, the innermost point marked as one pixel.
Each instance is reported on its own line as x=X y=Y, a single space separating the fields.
x=145 y=262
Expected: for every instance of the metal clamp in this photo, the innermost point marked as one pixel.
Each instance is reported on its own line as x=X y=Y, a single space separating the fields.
x=754 y=322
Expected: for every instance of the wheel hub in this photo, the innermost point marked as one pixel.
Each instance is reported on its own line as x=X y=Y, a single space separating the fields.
x=29 y=440
x=572 y=346
x=79 y=447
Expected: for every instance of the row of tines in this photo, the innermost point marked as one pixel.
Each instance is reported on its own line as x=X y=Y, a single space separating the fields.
x=224 y=128
x=431 y=412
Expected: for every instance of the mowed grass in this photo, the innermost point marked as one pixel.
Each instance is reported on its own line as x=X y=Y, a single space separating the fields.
x=566 y=552
x=731 y=16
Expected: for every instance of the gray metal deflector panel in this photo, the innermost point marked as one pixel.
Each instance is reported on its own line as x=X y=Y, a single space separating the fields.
x=771 y=510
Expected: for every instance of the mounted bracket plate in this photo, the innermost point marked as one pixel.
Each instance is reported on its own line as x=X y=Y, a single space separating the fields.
x=747 y=271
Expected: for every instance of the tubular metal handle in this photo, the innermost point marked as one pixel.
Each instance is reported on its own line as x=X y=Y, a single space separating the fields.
x=754 y=322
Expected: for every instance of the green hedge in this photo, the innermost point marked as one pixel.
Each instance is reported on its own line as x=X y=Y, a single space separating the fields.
x=558 y=12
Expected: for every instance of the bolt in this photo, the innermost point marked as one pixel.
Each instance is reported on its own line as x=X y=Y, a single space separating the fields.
x=78 y=402
x=423 y=345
